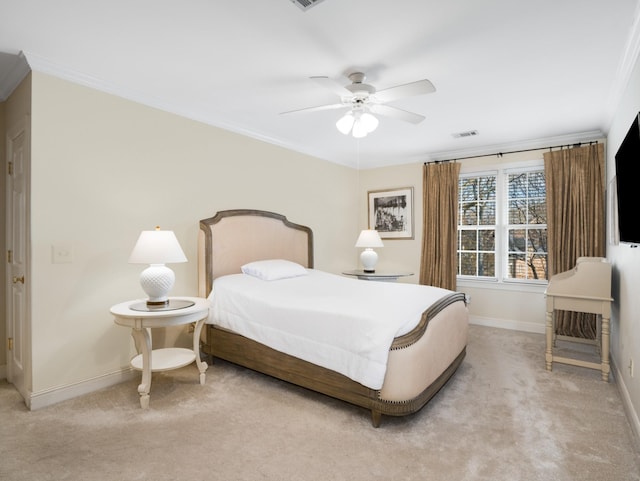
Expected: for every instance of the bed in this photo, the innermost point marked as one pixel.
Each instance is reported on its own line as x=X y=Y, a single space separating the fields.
x=418 y=363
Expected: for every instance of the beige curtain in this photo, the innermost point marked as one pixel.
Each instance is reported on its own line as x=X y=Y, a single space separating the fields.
x=575 y=220
x=438 y=264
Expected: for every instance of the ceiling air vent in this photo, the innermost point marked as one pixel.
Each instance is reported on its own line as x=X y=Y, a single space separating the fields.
x=468 y=133
x=305 y=4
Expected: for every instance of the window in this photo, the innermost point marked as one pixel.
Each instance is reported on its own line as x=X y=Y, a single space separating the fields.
x=477 y=226
x=526 y=225
x=502 y=225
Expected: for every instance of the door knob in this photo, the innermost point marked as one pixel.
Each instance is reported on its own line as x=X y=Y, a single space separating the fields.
x=18 y=279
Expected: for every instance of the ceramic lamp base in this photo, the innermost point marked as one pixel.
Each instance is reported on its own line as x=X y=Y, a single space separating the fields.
x=369 y=259
x=156 y=281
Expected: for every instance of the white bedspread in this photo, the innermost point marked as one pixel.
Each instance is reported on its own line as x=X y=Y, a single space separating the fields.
x=343 y=324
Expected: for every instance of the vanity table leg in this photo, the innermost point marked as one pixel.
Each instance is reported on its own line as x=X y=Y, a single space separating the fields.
x=604 y=349
x=202 y=366
x=143 y=341
x=550 y=340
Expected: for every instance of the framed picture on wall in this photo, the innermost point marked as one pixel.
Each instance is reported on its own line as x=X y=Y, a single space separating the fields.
x=391 y=212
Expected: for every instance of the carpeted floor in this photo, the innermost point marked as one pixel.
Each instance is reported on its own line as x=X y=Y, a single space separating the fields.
x=501 y=417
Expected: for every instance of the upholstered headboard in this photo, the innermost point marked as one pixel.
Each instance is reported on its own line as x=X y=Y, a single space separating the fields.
x=232 y=238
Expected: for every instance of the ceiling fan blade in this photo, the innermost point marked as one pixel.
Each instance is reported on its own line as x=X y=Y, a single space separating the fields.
x=316 y=109
x=330 y=84
x=420 y=87
x=396 y=113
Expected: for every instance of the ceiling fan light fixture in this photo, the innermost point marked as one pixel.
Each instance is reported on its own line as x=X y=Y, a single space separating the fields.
x=369 y=122
x=362 y=99
x=358 y=123
x=345 y=123
x=359 y=129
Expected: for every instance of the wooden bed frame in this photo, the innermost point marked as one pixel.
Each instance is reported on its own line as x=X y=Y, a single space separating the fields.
x=420 y=362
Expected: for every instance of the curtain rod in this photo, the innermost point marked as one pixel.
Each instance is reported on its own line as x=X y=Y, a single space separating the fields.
x=500 y=154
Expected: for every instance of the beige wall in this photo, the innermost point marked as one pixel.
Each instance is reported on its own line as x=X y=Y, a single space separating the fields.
x=103 y=169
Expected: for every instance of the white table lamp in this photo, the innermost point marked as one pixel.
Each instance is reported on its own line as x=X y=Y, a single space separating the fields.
x=369 y=239
x=157 y=248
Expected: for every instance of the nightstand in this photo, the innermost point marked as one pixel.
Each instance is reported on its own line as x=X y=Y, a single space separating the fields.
x=184 y=310
x=377 y=275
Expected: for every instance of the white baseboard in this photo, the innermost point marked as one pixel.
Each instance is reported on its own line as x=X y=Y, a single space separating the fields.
x=39 y=400
x=507 y=324
x=631 y=413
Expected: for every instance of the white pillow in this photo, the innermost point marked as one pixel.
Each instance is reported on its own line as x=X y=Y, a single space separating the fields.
x=273 y=269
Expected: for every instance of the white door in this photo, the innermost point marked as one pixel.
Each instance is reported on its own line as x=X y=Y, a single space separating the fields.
x=18 y=331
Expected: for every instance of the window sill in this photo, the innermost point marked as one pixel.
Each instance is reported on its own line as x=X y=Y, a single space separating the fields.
x=502 y=286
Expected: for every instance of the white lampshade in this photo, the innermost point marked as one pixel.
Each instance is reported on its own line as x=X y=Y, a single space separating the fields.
x=345 y=123
x=368 y=239
x=157 y=247
x=359 y=131
x=369 y=122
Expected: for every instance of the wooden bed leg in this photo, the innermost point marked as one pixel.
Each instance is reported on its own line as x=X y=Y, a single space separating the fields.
x=376 y=417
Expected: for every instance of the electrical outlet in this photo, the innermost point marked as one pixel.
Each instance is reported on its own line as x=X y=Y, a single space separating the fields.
x=62 y=253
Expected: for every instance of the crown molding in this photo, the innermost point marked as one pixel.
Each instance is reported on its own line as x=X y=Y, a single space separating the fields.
x=46 y=66
x=533 y=144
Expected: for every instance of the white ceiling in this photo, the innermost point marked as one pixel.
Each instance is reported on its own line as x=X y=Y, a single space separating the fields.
x=523 y=74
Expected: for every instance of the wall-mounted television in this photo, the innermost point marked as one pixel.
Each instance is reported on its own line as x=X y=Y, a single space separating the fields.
x=627 y=185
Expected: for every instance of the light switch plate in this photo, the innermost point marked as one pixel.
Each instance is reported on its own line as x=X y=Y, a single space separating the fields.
x=62 y=253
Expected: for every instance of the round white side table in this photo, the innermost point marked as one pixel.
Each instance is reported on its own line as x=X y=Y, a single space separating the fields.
x=133 y=314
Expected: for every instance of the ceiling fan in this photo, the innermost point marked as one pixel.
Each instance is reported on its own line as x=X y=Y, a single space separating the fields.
x=363 y=99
